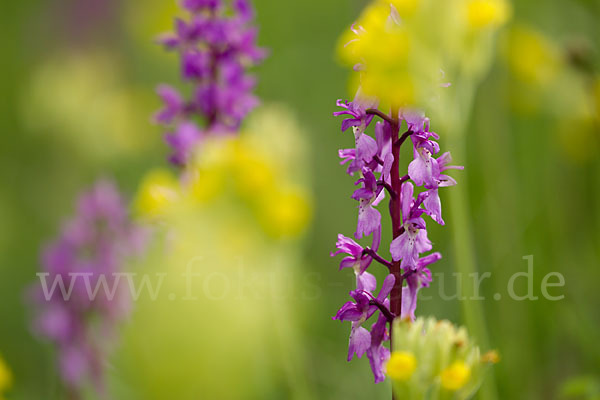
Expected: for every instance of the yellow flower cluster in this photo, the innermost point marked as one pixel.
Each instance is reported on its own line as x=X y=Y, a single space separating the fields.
x=455 y=376
x=532 y=57
x=218 y=229
x=435 y=358
x=483 y=14
x=233 y=169
x=401 y=365
x=5 y=378
x=405 y=50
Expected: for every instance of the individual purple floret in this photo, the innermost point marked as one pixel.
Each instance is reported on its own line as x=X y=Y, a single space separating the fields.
x=216 y=45
x=365 y=304
x=356 y=259
x=369 y=219
x=79 y=299
x=377 y=353
x=377 y=159
x=413 y=241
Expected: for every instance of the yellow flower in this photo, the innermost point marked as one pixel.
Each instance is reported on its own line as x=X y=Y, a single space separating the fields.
x=406 y=8
x=211 y=169
x=253 y=172
x=374 y=15
x=391 y=87
x=455 y=376
x=286 y=212
x=158 y=190
x=5 y=377
x=487 y=13
x=370 y=35
x=532 y=57
x=401 y=365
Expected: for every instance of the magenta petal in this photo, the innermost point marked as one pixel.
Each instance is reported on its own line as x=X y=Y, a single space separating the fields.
x=378 y=356
x=434 y=206
x=369 y=220
x=348 y=262
x=386 y=287
x=398 y=247
x=360 y=341
x=406 y=198
x=366 y=281
x=409 y=296
x=417 y=171
x=366 y=148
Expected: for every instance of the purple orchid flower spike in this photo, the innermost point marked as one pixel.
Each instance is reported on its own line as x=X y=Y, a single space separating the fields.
x=216 y=48
x=413 y=195
x=96 y=242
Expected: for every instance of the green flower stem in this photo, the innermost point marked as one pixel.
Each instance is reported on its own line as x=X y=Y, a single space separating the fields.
x=464 y=249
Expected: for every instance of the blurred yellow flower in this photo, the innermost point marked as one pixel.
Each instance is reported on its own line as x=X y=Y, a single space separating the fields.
x=487 y=13
x=5 y=377
x=240 y=170
x=157 y=192
x=228 y=273
x=532 y=57
x=401 y=365
x=384 y=47
x=455 y=376
x=401 y=49
x=405 y=8
x=210 y=171
x=286 y=212
x=254 y=173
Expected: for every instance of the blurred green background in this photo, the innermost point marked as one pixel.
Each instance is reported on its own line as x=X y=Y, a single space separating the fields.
x=77 y=80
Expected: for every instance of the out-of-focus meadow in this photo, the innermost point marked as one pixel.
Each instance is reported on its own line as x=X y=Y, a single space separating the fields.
x=78 y=85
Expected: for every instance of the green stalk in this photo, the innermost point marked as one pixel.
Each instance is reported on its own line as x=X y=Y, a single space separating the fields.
x=464 y=249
